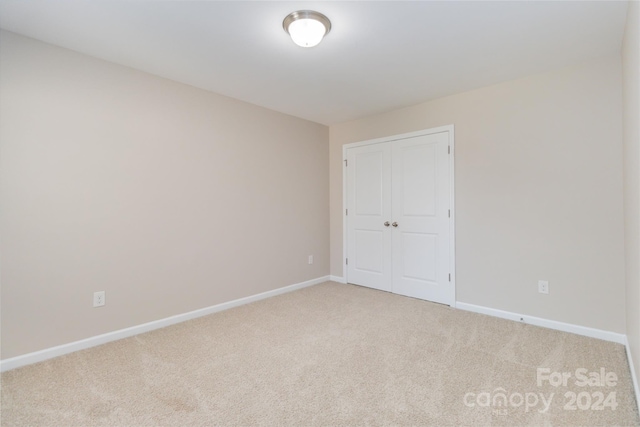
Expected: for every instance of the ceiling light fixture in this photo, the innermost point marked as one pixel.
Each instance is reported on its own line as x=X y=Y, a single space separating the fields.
x=306 y=27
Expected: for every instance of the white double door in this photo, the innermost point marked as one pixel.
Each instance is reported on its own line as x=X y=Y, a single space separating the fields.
x=398 y=216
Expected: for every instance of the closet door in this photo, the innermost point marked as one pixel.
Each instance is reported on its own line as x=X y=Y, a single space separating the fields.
x=398 y=218
x=420 y=213
x=368 y=208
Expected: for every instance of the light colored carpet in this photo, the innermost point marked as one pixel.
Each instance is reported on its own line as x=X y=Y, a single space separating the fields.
x=330 y=355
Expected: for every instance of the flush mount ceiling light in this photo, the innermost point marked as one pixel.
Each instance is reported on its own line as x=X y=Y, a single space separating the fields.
x=306 y=27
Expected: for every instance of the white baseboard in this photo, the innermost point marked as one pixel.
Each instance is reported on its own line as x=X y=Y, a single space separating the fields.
x=545 y=323
x=49 y=353
x=337 y=279
x=634 y=377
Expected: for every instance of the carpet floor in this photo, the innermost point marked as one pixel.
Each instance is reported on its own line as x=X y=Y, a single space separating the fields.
x=331 y=355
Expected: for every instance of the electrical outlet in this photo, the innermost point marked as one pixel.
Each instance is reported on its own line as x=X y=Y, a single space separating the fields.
x=543 y=286
x=310 y=259
x=98 y=299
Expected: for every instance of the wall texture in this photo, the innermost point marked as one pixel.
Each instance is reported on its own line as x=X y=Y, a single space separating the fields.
x=631 y=99
x=538 y=191
x=167 y=197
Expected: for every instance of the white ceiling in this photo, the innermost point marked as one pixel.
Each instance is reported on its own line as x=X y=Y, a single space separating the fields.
x=378 y=57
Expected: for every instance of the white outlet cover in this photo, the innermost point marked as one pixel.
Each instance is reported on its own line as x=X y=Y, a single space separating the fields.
x=543 y=286
x=310 y=259
x=98 y=299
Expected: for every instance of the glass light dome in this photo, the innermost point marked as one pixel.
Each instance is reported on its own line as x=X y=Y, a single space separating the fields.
x=306 y=27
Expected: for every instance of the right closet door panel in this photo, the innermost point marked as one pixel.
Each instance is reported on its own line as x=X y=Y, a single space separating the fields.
x=420 y=209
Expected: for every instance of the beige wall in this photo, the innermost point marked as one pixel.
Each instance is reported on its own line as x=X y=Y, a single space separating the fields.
x=167 y=197
x=538 y=191
x=631 y=99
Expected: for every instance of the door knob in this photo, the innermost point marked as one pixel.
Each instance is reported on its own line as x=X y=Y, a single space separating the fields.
x=395 y=224
x=386 y=223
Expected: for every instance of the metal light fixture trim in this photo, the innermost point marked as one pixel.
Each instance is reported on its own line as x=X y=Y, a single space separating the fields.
x=310 y=15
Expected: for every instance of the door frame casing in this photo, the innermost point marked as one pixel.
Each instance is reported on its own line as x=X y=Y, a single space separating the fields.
x=452 y=222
